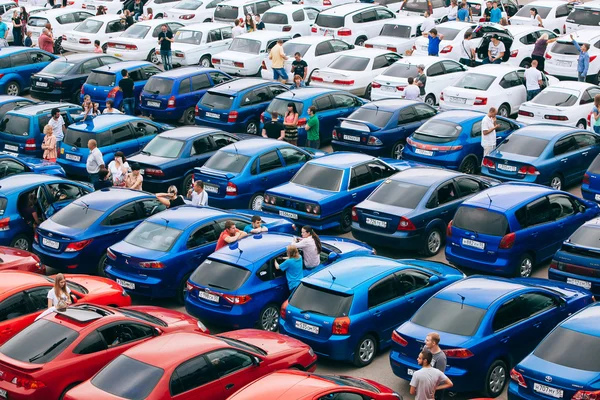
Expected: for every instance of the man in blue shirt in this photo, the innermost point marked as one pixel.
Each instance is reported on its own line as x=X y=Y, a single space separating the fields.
x=255 y=227
x=463 y=12
x=496 y=13
x=583 y=61
x=434 y=42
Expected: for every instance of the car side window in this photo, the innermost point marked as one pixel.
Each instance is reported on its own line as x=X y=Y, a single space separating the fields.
x=407 y=115
x=535 y=213
x=508 y=314
x=115 y=26
x=38 y=298
x=292 y=156
x=37 y=57
x=360 y=176
x=89 y=65
x=565 y=145
x=379 y=170
x=343 y=396
x=201 y=236
x=476 y=129
x=66 y=19
x=380 y=62
x=323 y=103
x=560 y=206
x=200 y=82
x=510 y=80
x=151 y=207
x=298 y=15
x=226 y=33
x=214 y=36
x=13 y=307
x=435 y=70
x=338 y=45
x=563 y=11
x=144 y=129
x=584 y=140
x=383 y=291
x=228 y=361
x=218 y=77
x=190 y=375
x=311 y=13
x=443 y=194
x=529 y=39
x=467 y=186
x=452 y=67
x=123 y=333
x=368 y=16
x=262 y=7
x=137 y=75
x=19 y=59
x=10 y=167
x=65 y=191
x=343 y=100
x=269 y=162
x=277 y=90
x=122 y=134
x=122 y=215
x=222 y=140
x=184 y=86
x=424 y=112
x=149 y=70
x=200 y=146
x=535 y=303
x=92 y=343
x=410 y=281
x=323 y=48
x=256 y=96
x=384 y=14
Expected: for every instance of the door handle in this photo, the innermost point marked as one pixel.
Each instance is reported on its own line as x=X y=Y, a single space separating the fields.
x=537 y=324
x=505 y=339
x=353 y=194
x=265 y=179
x=535 y=234
x=377 y=313
x=444 y=212
x=411 y=300
x=585 y=153
x=564 y=160
x=230 y=386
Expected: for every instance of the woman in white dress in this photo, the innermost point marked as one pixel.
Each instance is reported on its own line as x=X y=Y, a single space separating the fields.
x=119 y=168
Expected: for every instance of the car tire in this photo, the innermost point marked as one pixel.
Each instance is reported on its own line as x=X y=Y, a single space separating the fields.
x=101 y=265
x=433 y=242
x=525 y=267
x=188 y=117
x=207 y=20
x=268 y=319
x=430 y=100
x=496 y=379
x=22 y=242
x=398 y=149
x=581 y=124
x=346 y=221
x=556 y=182
x=368 y=93
x=152 y=57
x=526 y=63
x=159 y=16
x=13 y=89
x=182 y=289
x=504 y=111
x=360 y=41
x=205 y=62
x=252 y=128
x=187 y=184
x=256 y=202
x=365 y=351
x=469 y=165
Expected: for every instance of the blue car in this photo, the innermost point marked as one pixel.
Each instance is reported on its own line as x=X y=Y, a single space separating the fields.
x=325 y=189
x=157 y=258
x=22 y=129
x=112 y=132
x=411 y=209
x=173 y=95
x=452 y=139
x=546 y=154
x=238 y=175
x=236 y=106
x=9 y=103
x=487 y=325
x=18 y=64
x=331 y=104
x=103 y=83
x=12 y=165
x=244 y=291
x=380 y=128
x=51 y=193
x=590 y=186
x=349 y=311
x=510 y=228
x=565 y=364
x=170 y=158
x=76 y=238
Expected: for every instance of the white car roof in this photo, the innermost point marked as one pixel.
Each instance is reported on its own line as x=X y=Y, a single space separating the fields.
x=591 y=4
x=57 y=12
x=456 y=24
x=548 y=3
x=287 y=9
x=155 y=22
x=582 y=35
x=573 y=85
x=368 y=53
x=345 y=9
x=408 y=21
x=265 y=35
x=425 y=60
x=311 y=39
x=235 y=3
x=204 y=26
x=105 y=18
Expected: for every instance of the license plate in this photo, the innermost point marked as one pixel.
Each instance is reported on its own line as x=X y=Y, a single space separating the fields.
x=325 y=31
x=457 y=100
x=211 y=188
x=376 y=222
x=424 y=152
x=307 y=327
x=208 y=296
x=154 y=103
x=388 y=88
x=352 y=138
x=509 y=168
x=120 y=46
x=90 y=7
x=213 y=115
x=10 y=147
x=596 y=197
x=227 y=62
x=473 y=243
x=3 y=394
x=580 y=283
x=288 y=214
x=72 y=157
x=410 y=372
x=563 y=63
x=50 y=243
x=72 y=40
x=41 y=84
x=126 y=284
x=547 y=390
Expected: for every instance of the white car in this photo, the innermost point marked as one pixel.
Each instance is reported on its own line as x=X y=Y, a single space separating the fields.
x=322 y=4
x=583 y=16
x=397 y=35
x=453 y=34
x=197 y=44
x=499 y=86
x=159 y=7
x=246 y=52
x=62 y=20
x=229 y=11
x=561 y=56
x=412 y=8
x=317 y=51
x=191 y=12
x=297 y=20
x=6 y=5
x=111 y=6
x=553 y=13
x=508 y=7
x=101 y=27
x=440 y=74
x=353 y=23
x=354 y=71
x=566 y=103
x=139 y=41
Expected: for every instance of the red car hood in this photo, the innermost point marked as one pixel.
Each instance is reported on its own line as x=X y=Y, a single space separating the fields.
x=270 y=342
x=95 y=284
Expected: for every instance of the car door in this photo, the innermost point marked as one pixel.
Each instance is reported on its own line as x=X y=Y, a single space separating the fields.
x=382 y=62
x=513 y=91
x=510 y=330
x=124 y=140
x=61 y=194
x=344 y=105
x=120 y=336
x=326 y=114
x=200 y=83
x=294 y=159
x=118 y=224
x=270 y=171
x=236 y=368
x=15 y=315
x=566 y=219
x=444 y=200
x=200 y=243
x=567 y=158
x=453 y=71
x=364 y=178
x=272 y=286
x=588 y=150
x=10 y=167
x=20 y=65
x=252 y=104
x=144 y=132
x=408 y=121
x=195 y=378
x=537 y=224
x=415 y=288
x=386 y=307
x=217 y=77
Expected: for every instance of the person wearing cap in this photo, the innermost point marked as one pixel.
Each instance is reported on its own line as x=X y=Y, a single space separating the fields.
x=496 y=51
x=255 y=226
x=421 y=79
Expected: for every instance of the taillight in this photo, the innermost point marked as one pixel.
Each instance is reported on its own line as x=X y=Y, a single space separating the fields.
x=283 y=309
x=77 y=246
x=586 y=179
x=153 y=172
x=587 y=395
x=216 y=61
x=517 y=377
x=514 y=53
x=442 y=96
x=399 y=339
x=81 y=90
x=525 y=113
x=556 y=117
x=548 y=56
x=592 y=58
x=263 y=66
x=316 y=79
x=405 y=224
x=188 y=16
x=449 y=229
x=482 y=19
x=528 y=170
x=489 y=163
x=30 y=145
x=36 y=237
x=286 y=28
x=262 y=117
x=238 y=64
x=313 y=29
x=368 y=46
x=354 y=214
x=112 y=94
x=507 y=241
x=27 y=383
x=341 y=326
x=111 y=255
x=458 y=353
x=343 y=82
x=231 y=189
x=480 y=101
x=344 y=32
x=373 y=141
x=375 y=85
x=446 y=50
x=85 y=41
x=326 y=2
x=171 y=102
x=394 y=49
x=564 y=29
x=237 y=300
x=152 y=265
x=400 y=88
x=232 y=117
x=64 y=38
x=197 y=110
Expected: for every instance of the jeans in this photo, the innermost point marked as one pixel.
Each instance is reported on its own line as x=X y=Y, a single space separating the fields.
x=313 y=144
x=532 y=93
x=465 y=61
x=487 y=61
x=94 y=178
x=597 y=128
x=129 y=106
x=580 y=77
x=17 y=37
x=167 y=59
x=280 y=73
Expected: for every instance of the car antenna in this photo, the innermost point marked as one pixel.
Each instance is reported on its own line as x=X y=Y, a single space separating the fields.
x=87 y=206
x=167 y=221
x=376 y=108
x=462 y=300
x=236 y=151
x=489 y=199
x=332 y=276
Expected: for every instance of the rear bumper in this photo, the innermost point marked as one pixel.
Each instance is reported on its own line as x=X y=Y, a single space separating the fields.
x=237 y=317
x=148 y=286
x=69 y=262
x=72 y=167
x=231 y=70
x=229 y=202
x=319 y=223
x=589 y=194
x=562 y=276
x=336 y=347
x=156 y=186
x=374 y=151
x=412 y=240
x=443 y=162
x=54 y=95
x=502 y=266
x=166 y=115
x=224 y=126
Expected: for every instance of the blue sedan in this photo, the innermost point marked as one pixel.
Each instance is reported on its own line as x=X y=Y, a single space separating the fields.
x=487 y=325
x=349 y=311
x=324 y=191
x=411 y=209
x=157 y=258
x=552 y=155
x=565 y=364
x=12 y=165
x=239 y=286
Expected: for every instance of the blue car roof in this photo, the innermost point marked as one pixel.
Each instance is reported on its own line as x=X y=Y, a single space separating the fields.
x=479 y=291
x=251 y=147
x=35 y=109
x=546 y=131
x=6 y=51
x=79 y=57
x=508 y=195
x=585 y=321
x=390 y=105
x=185 y=72
x=424 y=176
x=19 y=181
x=103 y=122
x=342 y=159
x=458 y=116
x=307 y=93
x=184 y=216
x=188 y=132
x=103 y=200
x=253 y=248
x=233 y=87
x=117 y=67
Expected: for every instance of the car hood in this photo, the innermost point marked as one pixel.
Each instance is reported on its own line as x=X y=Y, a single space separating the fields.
x=293 y=191
x=270 y=342
x=238 y=56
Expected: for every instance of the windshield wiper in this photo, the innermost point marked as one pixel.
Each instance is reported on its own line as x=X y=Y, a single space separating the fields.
x=54 y=346
x=210 y=105
x=312 y=311
x=471 y=87
x=145 y=152
x=216 y=286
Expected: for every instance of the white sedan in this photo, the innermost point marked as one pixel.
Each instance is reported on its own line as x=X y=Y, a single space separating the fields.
x=397 y=35
x=62 y=20
x=561 y=56
x=196 y=44
x=100 y=27
x=566 y=103
x=453 y=34
x=294 y=19
x=440 y=74
x=354 y=71
x=499 y=86
x=552 y=12
x=191 y=12
x=7 y=19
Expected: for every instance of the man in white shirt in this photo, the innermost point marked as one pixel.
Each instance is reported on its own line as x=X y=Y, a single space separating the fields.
x=426 y=381
x=496 y=51
x=237 y=29
x=533 y=80
x=452 y=10
x=57 y=123
x=94 y=161
x=198 y=194
x=467 y=50
x=488 y=132
x=412 y=91
x=428 y=24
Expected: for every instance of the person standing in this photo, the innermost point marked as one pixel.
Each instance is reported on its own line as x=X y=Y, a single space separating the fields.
x=198 y=195
x=126 y=85
x=313 y=139
x=432 y=343
x=278 y=57
x=452 y=11
x=165 y=38
x=255 y=226
x=463 y=12
x=250 y=25
x=596 y=112
x=421 y=79
x=533 y=80
x=273 y=129
x=488 y=131
x=583 y=61
x=58 y=126
x=292 y=267
x=17 y=29
x=260 y=26
x=94 y=161
x=171 y=198
x=467 y=50
x=487 y=13
x=310 y=244
x=539 y=50
x=535 y=17
x=411 y=92
x=237 y=29
x=433 y=47
x=496 y=51
x=299 y=67
x=290 y=123
x=119 y=168
x=469 y=10
x=45 y=41
x=3 y=34
x=428 y=24
x=229 y=235
x=426 y=381
x=495 y=13
x=49 y=145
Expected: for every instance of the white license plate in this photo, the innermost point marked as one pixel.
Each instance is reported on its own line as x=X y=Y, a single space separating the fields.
x=211 y=188
x=41 y=84
x=509 y=168
x=90 y=7
x=352 y=138
x=376 y=222
x=563 y=63
x=547 y=390
x=325 y=31
x=307 y=327
x=227 y=62
x=50 y=243
x=388 y=88
x=126 y=284
x=596 y=197
x=410 y=372
x=3 y=393
x=72 y=40
x=457 y=100
x=72 y=157
x=154 y=103
x=580 y=283
x=288 y=214
x=473 y=243
x=424 y=152
x=10 y=147
x=213 y=115
x=380 y=47
x=208 y=296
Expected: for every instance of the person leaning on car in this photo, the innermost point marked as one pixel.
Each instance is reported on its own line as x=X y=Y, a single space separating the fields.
x=273 y=129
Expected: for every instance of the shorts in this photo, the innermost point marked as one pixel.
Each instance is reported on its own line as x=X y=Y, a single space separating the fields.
x=280 y=73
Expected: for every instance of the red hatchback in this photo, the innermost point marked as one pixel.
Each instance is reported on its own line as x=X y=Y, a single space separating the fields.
x=61 y=350
x=20 y=260
x=23 y=296
x=186 y=366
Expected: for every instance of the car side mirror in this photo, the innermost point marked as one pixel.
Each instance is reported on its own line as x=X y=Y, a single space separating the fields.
x=157 y=332
x=256 y=361
x=582 y=208
x=433 y=279
x=351 y=46
x=332 y=256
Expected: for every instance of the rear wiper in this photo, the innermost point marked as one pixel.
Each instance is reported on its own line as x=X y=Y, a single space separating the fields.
x=426 y=134
x=210 y=105
x=471 y=87
x=145 y=152
x=55 y=345
x=311 y=311
x=216 y=286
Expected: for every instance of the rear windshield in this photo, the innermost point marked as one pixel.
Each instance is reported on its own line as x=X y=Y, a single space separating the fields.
x=156 y=85
x=570 y=349
x=275 y=18
x=475 y=81
x=556 y=98
x=350 y=63
x=163 y=147
x=542 y=11
x=399 y=194
x=188 y=5
x=329 y=21
x=217 y=100
x=245 y=46
x=375 y=117
x=152 y=236
x=415 y=5
x=227 y=162
x=15 y=125
x=142 y=316
x=293 y=48
x=40 y=342
x=58 y=68
x=280 y=106
x=127 y=378
x=523 y=145
x=400 y=31
x=136 y=31
x=101 y=79
x=224 y=11
x=448 y=33
x=401 y=70
x=480 y=220
x=318 y=300
x=436 y=131
x=348 y=381
x=581 y=16
x=566 y=48
x=77 y=138
x=37 y=22
x=218 y=275
x=319 y=177
x=88 y=26
x=449 y=316
x=76 y=215
x=586 y=236
x=595 y=167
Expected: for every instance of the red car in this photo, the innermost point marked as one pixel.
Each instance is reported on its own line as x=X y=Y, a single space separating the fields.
x=20 y=260
x=23 y=296
x=299 y=385
x=61 y=350
x=186 y=366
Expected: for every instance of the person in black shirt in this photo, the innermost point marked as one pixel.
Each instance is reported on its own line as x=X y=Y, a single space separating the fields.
x=126 y=85
x=260 y=26
x=299 y=67
x=165 y=38
x=273 y=129
x=487 y=13
x=103 y=180
x=170 y=199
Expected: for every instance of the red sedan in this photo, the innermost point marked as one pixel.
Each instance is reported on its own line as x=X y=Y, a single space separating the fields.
x=61 y=350
x=20 y=260
x=299 y=385
x=23 y=296
x=187 y=366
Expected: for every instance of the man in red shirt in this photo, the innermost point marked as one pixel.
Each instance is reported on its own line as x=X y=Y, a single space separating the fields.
x=229 y=235
x=45 y=41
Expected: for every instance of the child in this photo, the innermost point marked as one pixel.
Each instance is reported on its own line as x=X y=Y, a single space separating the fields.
x=434 y=42
x=28 y=42
x=97 y=48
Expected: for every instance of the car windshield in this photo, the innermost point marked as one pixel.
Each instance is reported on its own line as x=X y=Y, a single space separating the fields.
x=401 y=70
x=542 y=11
x=523 y=145
x=245 y=46
x=136 y=31
x=188 y=5
x=475 y=81
x=158 y=85
x=481 y=221
x=448 y=33
x=350 y=63
x=582 y=16
x=101 y=79
x=227 y=162
x=143 y=316
x=319 y=177
x=449 y=316
x=436 y=131
x=318 y=300
x=225 y=11
x=329 y=21
x=152 y=236
x=280 y=106
x=570 y=349
x=58 y=68
x=399 y=194
x=219 y=275
x=89 y=26
x=293 y=48
x=217 y=101
x=556 y=98
x=189 y=37
x=76 y=215
x=275 y=18
x=586 y=236
x=127 y=378
x=399 y=31
x=163 y=147
x=40 y=342
x=15 y=125
x=373 y=116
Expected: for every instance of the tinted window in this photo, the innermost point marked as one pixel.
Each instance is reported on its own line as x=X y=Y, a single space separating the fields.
x=122 y=134
x=536 y=212
x=245 y=46
x=217 y=101
x=350 y=63
x=275 y=18
x=80 y=138
x=437 y=131
x=581 y=16
x=191 y=374
x=200 y=82
x=399 y=194
x=475 y=81
x=467 y=186
x=566 y=48
x=227 y=162
x=376 y=117
x=128 y=378
x=292 y=156
x=224 y=11
x=415 y=5
x=480 y=220
x=101 y=79
x=269 y=162
x=202 y=236
x=401 y=70
x=560 y=207
x=218 y=275
x=280 y=106
x=321 y=301
x=123 y=215
x=449 y=316
x=571 y=349
x=91 y=344
x=556 y=98
x=77 y=216
x=319 y=177
x=323 y=103
x=157 y=85
x=329 y=21
x=523 y=145
x=15 y=125
x=400 y=31
x=508 y=314
x=383 y=291
x=293 y=48
x=360 y=176
x=151 y=236
x=13 y=307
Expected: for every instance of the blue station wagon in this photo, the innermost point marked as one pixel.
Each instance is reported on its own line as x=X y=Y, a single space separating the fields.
x=18 y=64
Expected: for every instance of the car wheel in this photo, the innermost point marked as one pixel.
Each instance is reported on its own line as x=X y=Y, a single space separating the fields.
x=104 y=47
x=159 y=16
x=504 y=111
x=207 y=20
x=346 y=221
x=468 y=165
x=188 y=116
x=268 y=319
x=397 y=150
x=252 y=128
x=433 y=243
x=296 y=36
x=256 y=202
x=21 y=242
x=13 y=89
x=365 y=351
x=101 y=265
x=205 y=62
x=187 y=184
x=496 y=379
x=581 y=124
x=430 y=100
x=526 y=63
x=182 y=291
x=525 y=266
x=368 y=92
x=360 y=41
x=556 y=182
x=153 y=57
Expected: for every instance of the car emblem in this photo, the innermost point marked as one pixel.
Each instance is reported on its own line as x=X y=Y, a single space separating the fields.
x=548 y=378
x=127 y=261
x=49 y=234
x=472 y=236
x=306 y=316
x=40 y=79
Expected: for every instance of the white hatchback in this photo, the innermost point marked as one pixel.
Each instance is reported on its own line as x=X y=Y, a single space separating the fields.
x=61 y=19
x=101 y=27
x=584 y=16
x=296 y=20
x=397 y=35
x=196 y=44
x=561 y=56
x=553 y=13
x=191 y=12
x=413 y=8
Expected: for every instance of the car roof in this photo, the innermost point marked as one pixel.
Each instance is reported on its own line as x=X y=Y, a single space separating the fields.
x=10 y=280
x=348 y=8
x=251 y=147
x=497 y=70
x=425 y=60
x=117 y=67
x=265 y=35
x=35 y=109
x=309 y=40
x=456 y=24
x=188 y=132
x=19 y=181
x=236 y=2
x=254 y=248
x=185 y=72
x=425 y=176
x=234 y=86
x=365 y=52
x=307 y=93
x=205 y=26
x=572 y=85
x=342 y=159
x=104 y=199
x=79 y=57
x=458 y=116
x=183 y=217
x=105 y=17
x=508 y=195
x=595 y=223
x=413 y=20
x=547 y=3
x=479 y=291
x=286 y=9
x=546 y=131
x=55 y=12
x=155 y=22
x=5 y=51
x=589 y=4
x=390 y=105
x=103 y=122
x=585 y=321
